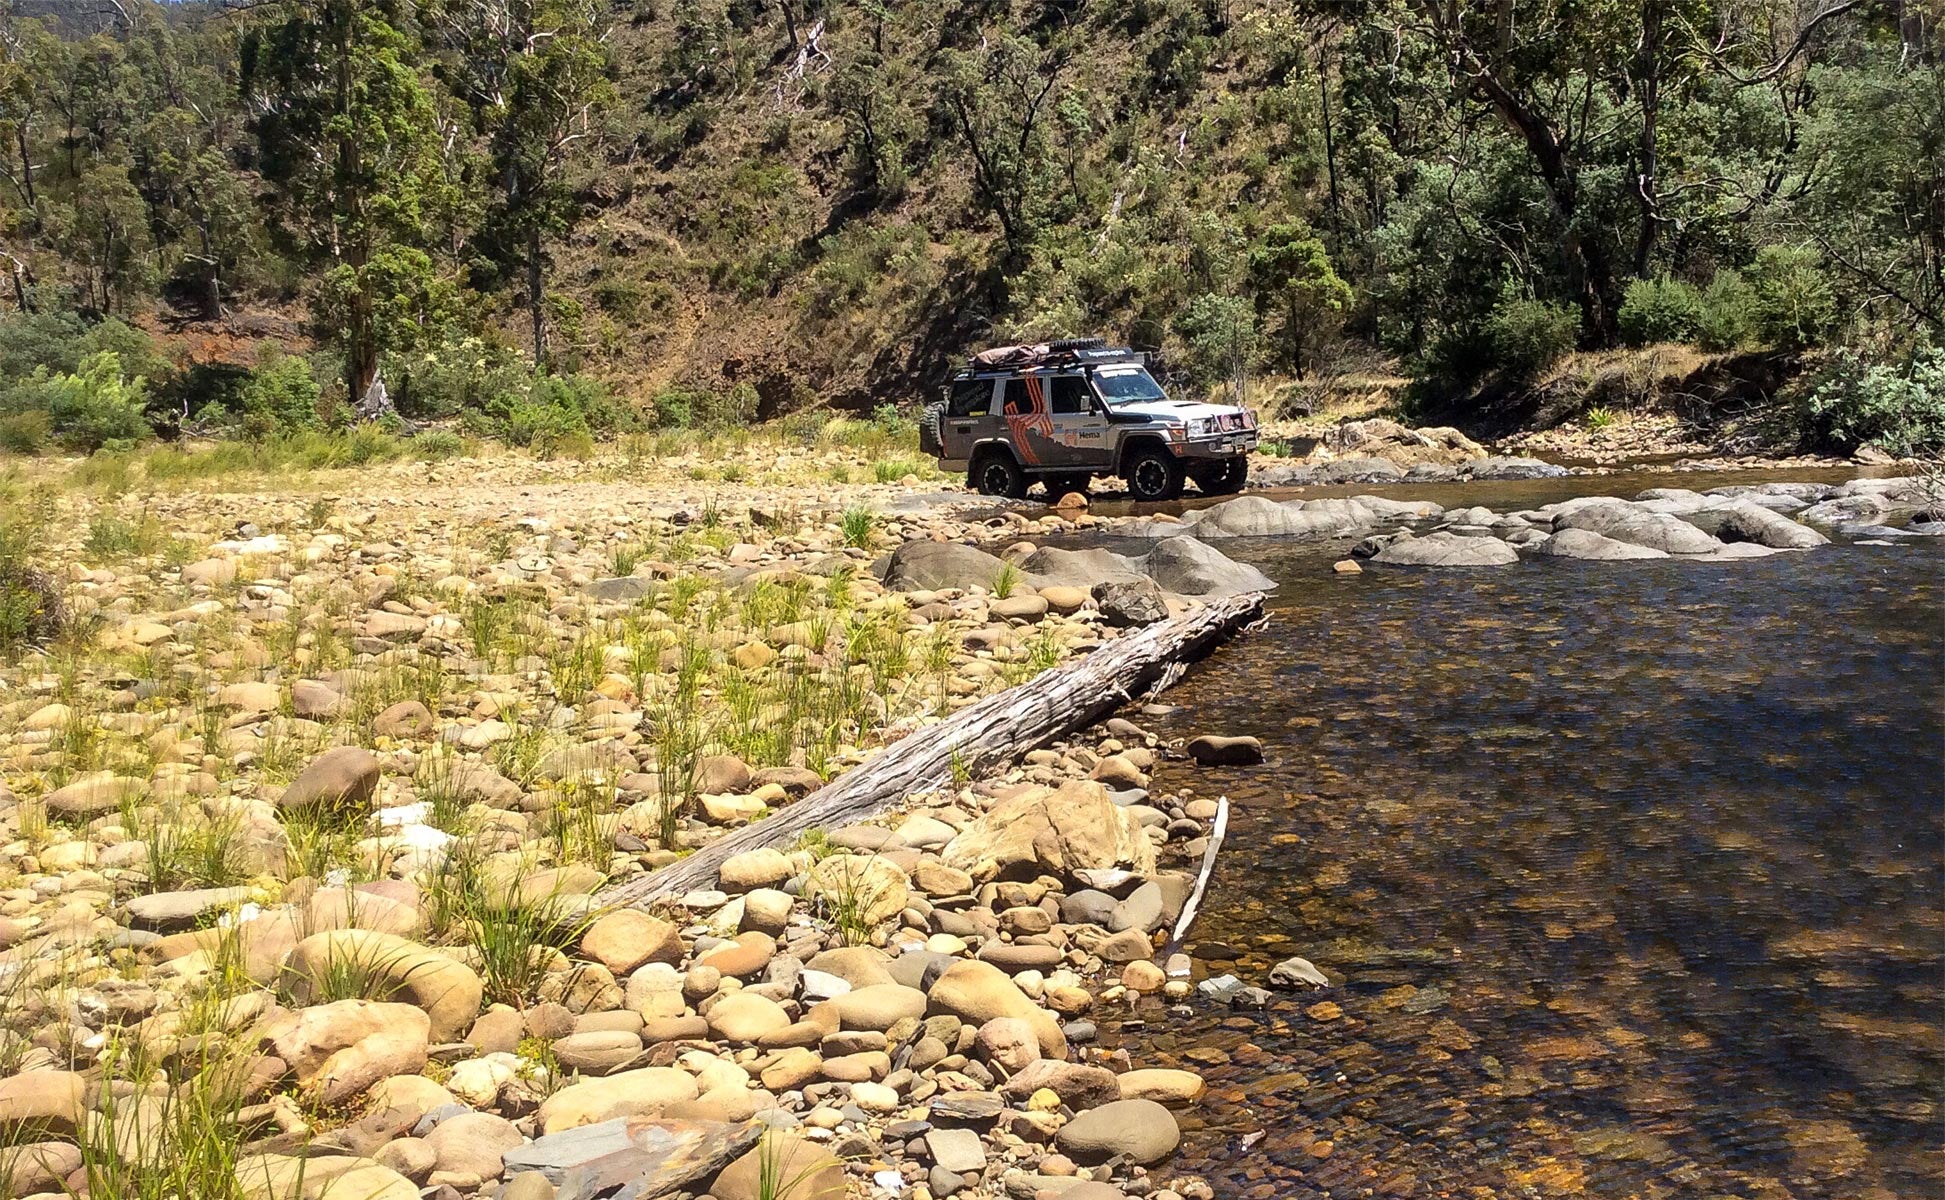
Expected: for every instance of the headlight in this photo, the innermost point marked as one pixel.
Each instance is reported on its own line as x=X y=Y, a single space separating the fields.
x=1201 y=426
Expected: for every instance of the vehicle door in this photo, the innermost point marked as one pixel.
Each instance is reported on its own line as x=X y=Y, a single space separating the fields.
x=969 y=417
x=1080 y=423
x=1029 y=426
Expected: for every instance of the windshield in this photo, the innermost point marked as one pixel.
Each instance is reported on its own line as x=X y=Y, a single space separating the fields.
x=1127 y=385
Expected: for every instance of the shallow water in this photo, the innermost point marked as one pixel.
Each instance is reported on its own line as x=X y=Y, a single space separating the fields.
x=1632 y=873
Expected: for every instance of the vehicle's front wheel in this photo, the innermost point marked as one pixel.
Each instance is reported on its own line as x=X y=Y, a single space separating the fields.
x=1224 y=478
x=998 y=475
x=1154 y=474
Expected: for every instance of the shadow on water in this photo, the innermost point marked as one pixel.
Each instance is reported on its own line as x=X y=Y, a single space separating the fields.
x=1632 y=874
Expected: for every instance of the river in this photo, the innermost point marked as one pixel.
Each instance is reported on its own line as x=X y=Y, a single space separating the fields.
x=1631 y=874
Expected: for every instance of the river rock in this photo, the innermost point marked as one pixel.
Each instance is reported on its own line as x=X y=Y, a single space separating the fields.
x=473 y=1143
x=1593 y=547
x=928 y=566
x=868 y=887
x=781 y=1155
x=879 y=1007
x=645 y=1091
x=447 y=990
x=1053 y=832
x=1161 y=1085
x=1442 y=549
x=1142 y=1130
x=1136 y=602
x=627 y=938
x=1626 y=522
x=1188 y=567
x=1297 y=973
x=658 y=1156
x=339 y=1050
x=338 y=780
x=42 y=1103
x=1743 y=521
x=977 y=992
x=1212 y=750
x=1079 y=1086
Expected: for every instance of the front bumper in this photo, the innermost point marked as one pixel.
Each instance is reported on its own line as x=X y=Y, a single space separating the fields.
x=1216 y=445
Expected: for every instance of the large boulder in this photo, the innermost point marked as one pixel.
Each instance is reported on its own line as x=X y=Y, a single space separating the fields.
x=338 y=1051
x=1594 y=547
x=1744 y=521
x=1051 y=566
x=1447 y=550
x=925 y=566
x=1626 y=522
x=1188 y=567
x=1042 y=831
x=446 y=990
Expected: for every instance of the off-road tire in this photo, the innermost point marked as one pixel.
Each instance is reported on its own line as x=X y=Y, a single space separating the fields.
x=931 y=430
x=994 y=473
x=1225 y=478
x=1153 y=474
x=1082 y=343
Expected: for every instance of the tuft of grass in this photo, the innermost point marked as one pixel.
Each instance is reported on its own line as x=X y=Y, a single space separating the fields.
x=512 y=938
x=1007 y=581
x=1598 y=418
x=859 y=526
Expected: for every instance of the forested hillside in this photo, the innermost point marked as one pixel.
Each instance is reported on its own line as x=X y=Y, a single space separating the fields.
x=571 y=210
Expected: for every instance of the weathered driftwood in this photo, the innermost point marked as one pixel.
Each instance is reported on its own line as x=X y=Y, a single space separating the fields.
x=1217 y=832
x=997 y=729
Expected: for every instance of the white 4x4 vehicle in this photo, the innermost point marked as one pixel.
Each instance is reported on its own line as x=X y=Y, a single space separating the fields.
x=1065 y=412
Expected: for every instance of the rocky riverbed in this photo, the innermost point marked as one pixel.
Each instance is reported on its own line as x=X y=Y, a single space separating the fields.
x=309 y=808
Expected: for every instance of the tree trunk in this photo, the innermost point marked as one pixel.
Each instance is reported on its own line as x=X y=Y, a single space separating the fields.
x=1648 y=94
x=996 y=730
x=534 y=294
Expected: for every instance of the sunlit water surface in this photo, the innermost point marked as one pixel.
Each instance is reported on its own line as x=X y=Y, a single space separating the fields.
x=1632 y=873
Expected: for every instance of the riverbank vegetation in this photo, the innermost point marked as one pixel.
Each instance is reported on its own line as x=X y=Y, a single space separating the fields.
x=573 y=220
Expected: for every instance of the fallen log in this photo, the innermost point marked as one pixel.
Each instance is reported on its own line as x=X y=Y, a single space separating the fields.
x=996 y=730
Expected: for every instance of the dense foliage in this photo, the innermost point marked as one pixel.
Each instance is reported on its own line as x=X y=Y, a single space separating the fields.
x=735 y=207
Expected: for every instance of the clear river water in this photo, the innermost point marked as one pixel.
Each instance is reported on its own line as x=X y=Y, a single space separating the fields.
x=1633 y=876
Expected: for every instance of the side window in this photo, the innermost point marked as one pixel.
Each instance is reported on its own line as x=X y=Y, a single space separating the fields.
x=1017 y=401
x=971 y=398
x=1070 y=394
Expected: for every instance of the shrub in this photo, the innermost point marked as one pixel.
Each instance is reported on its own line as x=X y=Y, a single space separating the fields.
x=281 y=395
x=24 y=432
x=1723 y=321
x=1528 y=336
x=438 y=445
x=31 y=612
x=1790 y=301
x=1660 y=310
x=88 y=408
x=1899 y=408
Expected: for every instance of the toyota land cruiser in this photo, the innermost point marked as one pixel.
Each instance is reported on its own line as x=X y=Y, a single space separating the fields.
x=1064 y=412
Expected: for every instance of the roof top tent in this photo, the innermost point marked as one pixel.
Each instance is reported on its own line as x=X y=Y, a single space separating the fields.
x=1077 y=352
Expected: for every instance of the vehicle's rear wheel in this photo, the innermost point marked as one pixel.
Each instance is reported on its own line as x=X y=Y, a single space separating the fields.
x=1154 y=474
x=995 y=474
x=1223 y=478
